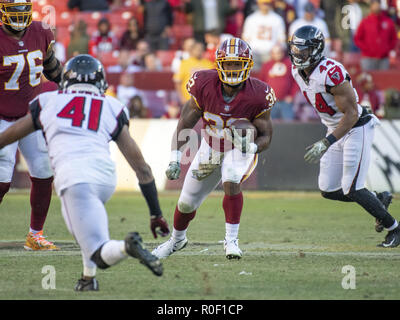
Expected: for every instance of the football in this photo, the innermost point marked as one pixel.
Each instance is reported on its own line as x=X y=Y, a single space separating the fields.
x=243 y=125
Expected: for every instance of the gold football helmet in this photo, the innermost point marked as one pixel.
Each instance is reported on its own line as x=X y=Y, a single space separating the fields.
x=17 y=14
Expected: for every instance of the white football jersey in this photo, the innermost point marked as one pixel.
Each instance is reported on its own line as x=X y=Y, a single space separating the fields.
x=327 y=74
x=78 y=125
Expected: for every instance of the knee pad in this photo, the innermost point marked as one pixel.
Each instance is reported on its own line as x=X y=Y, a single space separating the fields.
x=4 y=187
x=185 y=207
x=98 y=260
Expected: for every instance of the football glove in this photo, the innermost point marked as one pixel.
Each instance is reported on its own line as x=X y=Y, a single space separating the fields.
x=316 y=151
x=173 y=170
x=207 y=167
x=244 y=144
x=159 y=225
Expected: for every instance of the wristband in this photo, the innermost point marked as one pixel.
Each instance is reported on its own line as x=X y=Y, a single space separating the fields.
x=176 y=156
x=331 y=139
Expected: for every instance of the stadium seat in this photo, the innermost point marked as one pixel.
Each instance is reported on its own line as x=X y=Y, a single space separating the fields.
x=166 y=57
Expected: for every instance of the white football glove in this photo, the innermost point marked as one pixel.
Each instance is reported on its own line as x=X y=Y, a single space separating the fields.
x=244 y=144
x=207 y=167
x=174 y=168
x=316 y=151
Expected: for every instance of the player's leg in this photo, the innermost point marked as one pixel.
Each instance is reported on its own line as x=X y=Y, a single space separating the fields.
x=236 y=168
x=7 y=162
x=33 y=148
x=86 y=218
x=357 y=149
x=192 y=196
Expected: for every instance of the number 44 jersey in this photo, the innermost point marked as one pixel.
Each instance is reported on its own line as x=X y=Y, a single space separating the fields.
x=316 y=89
x=78 y=125
x=21 y=66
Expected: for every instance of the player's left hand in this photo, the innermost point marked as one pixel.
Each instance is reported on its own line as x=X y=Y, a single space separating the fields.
x=244 y=144
x=316 y=151
x=159 y=225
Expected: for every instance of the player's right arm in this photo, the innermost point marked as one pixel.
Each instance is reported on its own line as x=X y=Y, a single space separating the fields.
x=190 y=115
x=17 y=131
x=133 y=155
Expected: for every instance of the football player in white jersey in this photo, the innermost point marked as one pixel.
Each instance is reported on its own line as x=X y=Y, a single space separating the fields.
x=344 y=154
x=78 y=122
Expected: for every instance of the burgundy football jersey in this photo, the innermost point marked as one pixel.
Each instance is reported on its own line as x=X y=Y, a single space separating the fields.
x=253 y=100
x=21 y=66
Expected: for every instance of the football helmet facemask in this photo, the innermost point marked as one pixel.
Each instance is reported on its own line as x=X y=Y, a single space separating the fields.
x=306 y=47
x=234 y=61
x=84 y=69
x=16 y=14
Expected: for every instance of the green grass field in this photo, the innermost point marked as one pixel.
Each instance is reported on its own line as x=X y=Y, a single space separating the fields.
x=294 y=244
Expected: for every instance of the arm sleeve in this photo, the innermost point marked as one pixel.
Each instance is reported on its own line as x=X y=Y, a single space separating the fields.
x=122 y=119
x=35 y=110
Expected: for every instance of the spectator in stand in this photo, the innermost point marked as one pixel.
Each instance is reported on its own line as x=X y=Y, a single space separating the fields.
x=376 y=37
x=158 y=19
x=131 y=36
x=137 y=110
x=154 y=100
x=126 y=90
x=310 y=18
x=208 y=15
x=286 y=11
x=142 y=49
x=368 y=95
x=278 y=74
x=213 y=39
x=262 y=30
x=125 y=64
x=182 y=54
x=232 y=26
x=173 y=111
x=88 y=5
x=104 y=40
x=194 y=63
x=79 y=42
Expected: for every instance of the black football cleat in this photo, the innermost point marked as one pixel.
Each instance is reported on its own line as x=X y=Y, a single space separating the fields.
x=134 y=247
x=87 y=285
x=392 y=239
x=385 y=198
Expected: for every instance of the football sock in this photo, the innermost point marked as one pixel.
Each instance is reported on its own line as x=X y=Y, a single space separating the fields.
x=233 y=206
x=40 y=201
x=4 y=187
x=179 y=235
x=373 y=206
x=113 y=251
x=89 y=272
x=231 y=231
x=34 y=232
x=182 y=220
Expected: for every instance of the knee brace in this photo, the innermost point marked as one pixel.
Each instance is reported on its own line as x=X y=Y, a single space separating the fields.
x=98 y=260
x=336 y=195
x=185 y=207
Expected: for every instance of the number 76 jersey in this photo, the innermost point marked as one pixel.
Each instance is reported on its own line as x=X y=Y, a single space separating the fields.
x=78 y=126
x=316 y=89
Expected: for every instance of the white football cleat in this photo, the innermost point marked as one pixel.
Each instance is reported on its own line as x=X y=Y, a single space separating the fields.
x=232 y=249
x=170 y=246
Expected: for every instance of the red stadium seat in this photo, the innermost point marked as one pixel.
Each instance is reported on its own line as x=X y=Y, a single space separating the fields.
x=166 y=57
x=109 y=58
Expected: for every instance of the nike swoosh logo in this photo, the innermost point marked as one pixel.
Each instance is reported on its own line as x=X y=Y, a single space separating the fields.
x=389 y=244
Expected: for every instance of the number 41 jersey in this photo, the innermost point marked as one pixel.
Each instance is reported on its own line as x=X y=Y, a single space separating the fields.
x=316 y=89
x=78 y=125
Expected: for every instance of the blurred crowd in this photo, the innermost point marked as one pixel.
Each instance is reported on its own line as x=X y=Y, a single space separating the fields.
x=362 y=34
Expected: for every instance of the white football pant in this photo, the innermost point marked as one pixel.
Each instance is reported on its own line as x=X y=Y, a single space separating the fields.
x=346 y=162
x=235 y=167
x=33 y=148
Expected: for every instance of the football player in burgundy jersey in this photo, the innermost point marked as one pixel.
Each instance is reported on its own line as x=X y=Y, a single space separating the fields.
x=344 y=153
x=220 y=97
x=26 y=52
